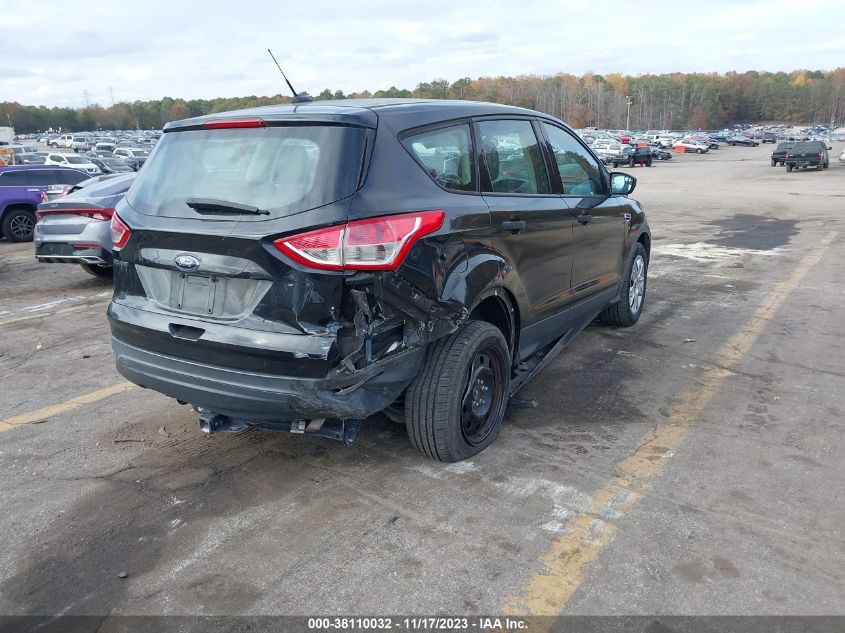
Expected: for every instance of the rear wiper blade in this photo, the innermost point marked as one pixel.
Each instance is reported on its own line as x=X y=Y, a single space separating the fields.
x=213 y=205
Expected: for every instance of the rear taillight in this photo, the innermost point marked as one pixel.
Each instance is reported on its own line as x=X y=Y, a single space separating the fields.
x=372 y=244
x=119 y=232
x=821 y=154
x=93 y=214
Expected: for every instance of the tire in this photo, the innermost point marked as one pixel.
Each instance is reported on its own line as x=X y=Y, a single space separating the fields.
x=441 y=412
x=774 y=163
x=626 y=312
x=648 y=163
x=18 y=225
x=789 y=168
x=698 y=151
x=826 y=165
x=98 y=271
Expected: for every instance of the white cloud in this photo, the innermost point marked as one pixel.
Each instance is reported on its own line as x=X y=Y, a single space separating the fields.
x=196 y=49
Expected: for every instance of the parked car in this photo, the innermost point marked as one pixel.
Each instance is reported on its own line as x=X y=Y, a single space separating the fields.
x=80 y=144
x=768 y=137
x=69 y=160
x=54 y=192
x=742 y=140
x=131 y=152
x=842 y=156
x=691 y=145
x=251 y=283
x=76 y=228
x=134 y=162
x=21 y=188
x=112 y=165
x=638 y=156
x=807 y=154
x=65 y=140
x=660 y=154
x=105 y=147
x=779 y=153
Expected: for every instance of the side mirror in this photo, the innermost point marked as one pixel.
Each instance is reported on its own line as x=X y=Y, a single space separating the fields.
x=621 y=184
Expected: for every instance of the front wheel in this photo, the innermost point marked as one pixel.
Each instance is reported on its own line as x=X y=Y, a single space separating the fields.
x=18 y=225
x=455 y=406
x=698 y=151
x=628 y=309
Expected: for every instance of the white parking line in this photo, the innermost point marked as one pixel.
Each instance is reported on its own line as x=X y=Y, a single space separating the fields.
x=41 y=311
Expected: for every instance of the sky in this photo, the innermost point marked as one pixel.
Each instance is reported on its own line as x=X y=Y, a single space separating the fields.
x=60 y=53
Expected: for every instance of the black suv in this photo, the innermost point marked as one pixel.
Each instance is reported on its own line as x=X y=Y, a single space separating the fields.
x=807 y=154
x=302 y=267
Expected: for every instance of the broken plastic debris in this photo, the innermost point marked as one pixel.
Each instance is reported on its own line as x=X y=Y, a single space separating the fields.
x=122 y=574
x=163 y=432
x=689 y=340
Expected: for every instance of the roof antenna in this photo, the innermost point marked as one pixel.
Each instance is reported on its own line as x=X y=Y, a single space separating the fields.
x=301 y=97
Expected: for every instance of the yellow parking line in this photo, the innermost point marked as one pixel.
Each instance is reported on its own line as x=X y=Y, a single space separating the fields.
x=586 y=536
x=64 y=407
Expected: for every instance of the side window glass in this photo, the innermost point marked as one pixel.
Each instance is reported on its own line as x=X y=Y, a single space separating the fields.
x=446 y=156
x=41 y=177
x=580 y=174
x=512 y=157
x=13 y=179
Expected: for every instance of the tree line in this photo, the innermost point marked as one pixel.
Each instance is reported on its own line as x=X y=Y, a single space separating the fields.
x=667 y=101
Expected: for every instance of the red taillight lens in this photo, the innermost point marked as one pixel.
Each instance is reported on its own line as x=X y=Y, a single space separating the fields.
x=94 y=214
x=371 y=244
x=222 y=124
x=119 y=232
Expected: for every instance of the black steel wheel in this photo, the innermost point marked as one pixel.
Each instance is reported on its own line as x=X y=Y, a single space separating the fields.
x=455 y=406
x=482 y=395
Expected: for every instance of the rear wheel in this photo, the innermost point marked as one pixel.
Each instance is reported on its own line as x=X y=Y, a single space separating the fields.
x=826 y=165
x=774 y=163
x=18 y=225
x=789 y=168
x=627 y=310
x=455 y=406
x=98 y=271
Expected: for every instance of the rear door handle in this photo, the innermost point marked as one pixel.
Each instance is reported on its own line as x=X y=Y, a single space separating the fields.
x=514 y=226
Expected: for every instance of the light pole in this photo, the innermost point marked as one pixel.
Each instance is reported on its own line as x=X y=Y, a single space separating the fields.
x=628 y=116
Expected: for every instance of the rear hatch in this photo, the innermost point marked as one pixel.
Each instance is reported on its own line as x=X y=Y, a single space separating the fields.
x=203 y=215
x=809 y=152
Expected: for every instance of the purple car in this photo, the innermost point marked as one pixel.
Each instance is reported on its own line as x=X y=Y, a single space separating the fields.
x=21 y=188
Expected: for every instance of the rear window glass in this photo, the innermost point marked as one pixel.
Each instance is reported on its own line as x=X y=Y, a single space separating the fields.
x=283 y=169
x=445 y=156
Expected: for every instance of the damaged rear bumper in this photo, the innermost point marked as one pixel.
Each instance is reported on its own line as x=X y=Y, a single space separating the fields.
x=264 y=397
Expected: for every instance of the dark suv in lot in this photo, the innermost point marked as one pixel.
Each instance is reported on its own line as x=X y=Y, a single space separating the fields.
x=302 y=267
x=807 y=154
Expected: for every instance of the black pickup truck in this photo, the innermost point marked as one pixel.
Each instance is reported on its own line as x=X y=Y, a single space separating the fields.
x=807 y=154
x=779 y=153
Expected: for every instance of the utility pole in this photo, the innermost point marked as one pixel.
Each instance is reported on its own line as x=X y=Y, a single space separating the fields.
x=628 y=101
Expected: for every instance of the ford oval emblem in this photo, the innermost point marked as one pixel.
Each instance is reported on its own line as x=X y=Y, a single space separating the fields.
x=187 y=262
